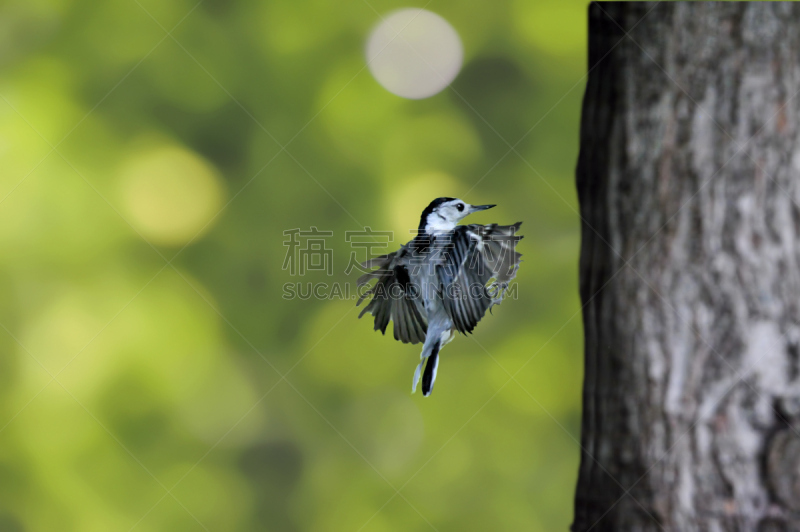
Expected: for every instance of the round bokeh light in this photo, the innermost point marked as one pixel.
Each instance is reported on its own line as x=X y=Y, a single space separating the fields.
x=414 y=53
x=171 y=195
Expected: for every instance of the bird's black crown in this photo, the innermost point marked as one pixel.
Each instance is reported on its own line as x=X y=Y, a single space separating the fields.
x=429 y=209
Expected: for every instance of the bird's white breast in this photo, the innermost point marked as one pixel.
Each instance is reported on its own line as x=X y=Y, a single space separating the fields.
x=438 y=225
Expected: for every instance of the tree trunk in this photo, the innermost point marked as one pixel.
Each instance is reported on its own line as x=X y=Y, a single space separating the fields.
x=689 y=183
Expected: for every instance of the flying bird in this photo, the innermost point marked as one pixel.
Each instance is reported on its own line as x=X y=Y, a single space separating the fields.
x=442 y=281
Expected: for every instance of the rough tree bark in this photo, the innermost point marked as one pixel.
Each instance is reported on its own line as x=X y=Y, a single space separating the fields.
x=689 y=186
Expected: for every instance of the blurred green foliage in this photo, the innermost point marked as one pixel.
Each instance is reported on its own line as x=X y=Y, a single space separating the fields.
x=143 y=199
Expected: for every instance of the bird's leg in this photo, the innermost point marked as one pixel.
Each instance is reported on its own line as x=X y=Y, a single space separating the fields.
x=417 y=373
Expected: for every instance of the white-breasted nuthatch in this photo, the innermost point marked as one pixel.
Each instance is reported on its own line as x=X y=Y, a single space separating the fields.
x=442 y=281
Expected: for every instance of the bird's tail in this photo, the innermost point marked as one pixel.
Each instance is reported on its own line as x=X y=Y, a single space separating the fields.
x=431 y=363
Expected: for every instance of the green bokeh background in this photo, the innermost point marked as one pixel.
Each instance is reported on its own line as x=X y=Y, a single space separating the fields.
x=143 y=200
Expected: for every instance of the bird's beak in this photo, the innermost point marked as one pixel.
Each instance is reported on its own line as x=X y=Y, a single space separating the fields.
x=476 y=208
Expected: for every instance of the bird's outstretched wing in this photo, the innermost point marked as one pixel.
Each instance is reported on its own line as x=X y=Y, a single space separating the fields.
x=394 y=298
x=476 y=255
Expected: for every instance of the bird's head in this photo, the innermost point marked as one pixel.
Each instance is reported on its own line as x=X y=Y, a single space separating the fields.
x=443 y=214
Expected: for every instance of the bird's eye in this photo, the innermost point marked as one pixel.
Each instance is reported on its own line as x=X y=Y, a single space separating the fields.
x=460 y=207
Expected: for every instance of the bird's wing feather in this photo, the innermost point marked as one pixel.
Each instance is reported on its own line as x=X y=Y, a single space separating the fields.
x=394 y=298
x=476 y=255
